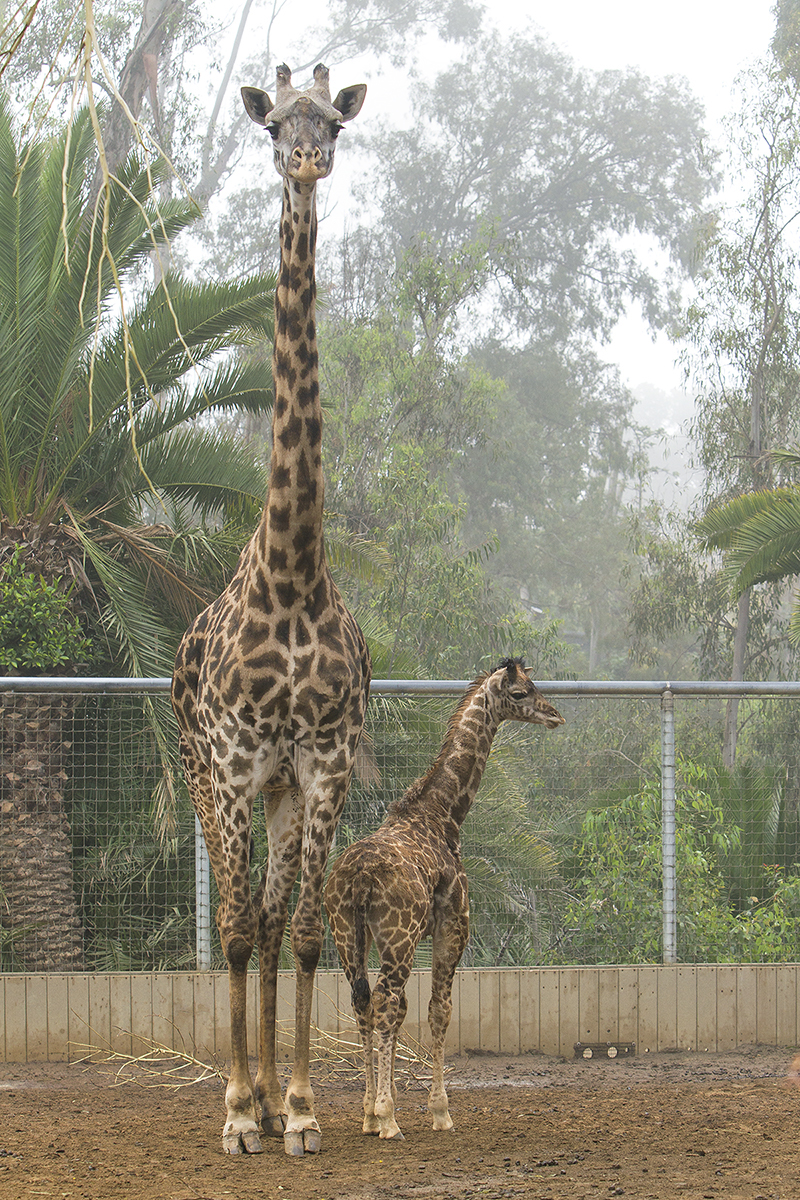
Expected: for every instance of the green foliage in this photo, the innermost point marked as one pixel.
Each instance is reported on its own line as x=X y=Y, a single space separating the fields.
x=405 y=409
x=759 y=534
x=769 y=930
x=133 y=866
x=682 y=611
x=550 y=483
x=616 y=886
x=39 y=634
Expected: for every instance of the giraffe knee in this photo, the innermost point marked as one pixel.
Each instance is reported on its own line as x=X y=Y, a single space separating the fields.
x=361 y=996
x=307 y=946
x=237 y=950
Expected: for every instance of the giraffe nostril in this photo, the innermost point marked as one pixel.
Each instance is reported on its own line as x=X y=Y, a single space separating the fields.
x=312 y=154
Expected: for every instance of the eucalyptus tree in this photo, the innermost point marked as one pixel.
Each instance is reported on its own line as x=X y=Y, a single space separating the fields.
x=744 y=326
x=113 y=486
x=561 y=177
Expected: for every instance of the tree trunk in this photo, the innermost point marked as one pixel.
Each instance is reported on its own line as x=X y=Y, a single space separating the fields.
x=139 y=76
x=41 y=924
x=732 y=707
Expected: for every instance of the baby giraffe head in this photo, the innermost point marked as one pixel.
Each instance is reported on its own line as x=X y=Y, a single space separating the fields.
x=520 y=699
x=304 y=126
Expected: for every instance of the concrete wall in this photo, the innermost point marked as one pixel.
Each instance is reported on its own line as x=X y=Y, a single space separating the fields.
x=58 y=1017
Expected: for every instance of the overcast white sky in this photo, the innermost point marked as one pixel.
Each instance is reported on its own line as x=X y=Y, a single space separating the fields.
x=707 y=41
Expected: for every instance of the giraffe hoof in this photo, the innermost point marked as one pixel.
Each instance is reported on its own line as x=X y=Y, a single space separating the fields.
x=236 y=1142
x=274 y=1125
x=299 y=1142
x=293 y=1143
x=252 y=1142
x=312 y=1140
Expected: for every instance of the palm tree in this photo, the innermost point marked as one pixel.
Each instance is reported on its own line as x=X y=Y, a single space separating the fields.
x=114 y=485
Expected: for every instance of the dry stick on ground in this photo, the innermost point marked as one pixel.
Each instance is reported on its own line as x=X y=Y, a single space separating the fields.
x=336 y=1055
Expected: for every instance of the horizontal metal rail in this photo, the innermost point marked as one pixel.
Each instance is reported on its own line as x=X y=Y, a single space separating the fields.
x=385 y=687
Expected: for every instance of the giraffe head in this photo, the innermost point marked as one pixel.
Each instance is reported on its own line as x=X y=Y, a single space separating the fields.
x=304 y=126
x=519 y=697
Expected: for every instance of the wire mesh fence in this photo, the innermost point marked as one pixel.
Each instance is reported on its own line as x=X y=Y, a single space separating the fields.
x=563 y=846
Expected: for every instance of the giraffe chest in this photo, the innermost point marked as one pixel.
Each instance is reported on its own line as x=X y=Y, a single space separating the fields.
x=269 y=711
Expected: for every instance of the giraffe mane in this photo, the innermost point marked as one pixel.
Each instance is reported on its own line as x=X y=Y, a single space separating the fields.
x=413 y=790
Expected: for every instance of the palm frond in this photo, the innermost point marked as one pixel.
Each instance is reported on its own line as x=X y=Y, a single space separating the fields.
x=209 y=470
x=146 y=644
x=760 y=535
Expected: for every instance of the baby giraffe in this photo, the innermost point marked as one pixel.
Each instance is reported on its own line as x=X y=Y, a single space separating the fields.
x=406 y=881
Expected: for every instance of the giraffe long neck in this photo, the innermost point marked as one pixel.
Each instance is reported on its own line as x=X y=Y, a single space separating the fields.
x=292 y=522
x=451 y=784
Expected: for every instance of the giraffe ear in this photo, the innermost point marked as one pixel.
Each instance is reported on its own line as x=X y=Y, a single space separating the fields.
x=257 y=104
x=349 y=101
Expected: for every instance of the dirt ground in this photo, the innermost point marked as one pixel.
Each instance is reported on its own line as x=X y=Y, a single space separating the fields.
x=657 y=1126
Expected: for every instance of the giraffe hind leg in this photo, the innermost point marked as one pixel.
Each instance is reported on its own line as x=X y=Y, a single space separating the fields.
x=389 y=1009
x=362 y=1010
x=303 y=1135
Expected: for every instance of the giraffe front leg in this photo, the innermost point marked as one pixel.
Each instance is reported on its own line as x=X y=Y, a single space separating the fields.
x=240 y=1132
x=272 y=921
x=237 y=927
x=302 y=1134
x=284 y=819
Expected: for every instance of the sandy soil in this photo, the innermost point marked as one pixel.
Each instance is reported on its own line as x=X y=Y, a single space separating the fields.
x=656 y=1126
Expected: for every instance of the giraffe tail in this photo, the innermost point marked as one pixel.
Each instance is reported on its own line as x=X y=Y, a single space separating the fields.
x=361 y=994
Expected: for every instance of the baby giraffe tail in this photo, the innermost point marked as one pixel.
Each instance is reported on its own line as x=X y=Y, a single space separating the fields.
x=360 y=988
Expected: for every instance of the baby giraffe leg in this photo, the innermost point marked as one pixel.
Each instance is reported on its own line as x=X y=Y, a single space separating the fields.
x=362 y=1007
x=385 y=1007
x=448 y=946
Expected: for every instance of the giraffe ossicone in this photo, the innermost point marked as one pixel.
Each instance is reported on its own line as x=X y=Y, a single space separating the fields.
x=271 y=681
x=406 y=881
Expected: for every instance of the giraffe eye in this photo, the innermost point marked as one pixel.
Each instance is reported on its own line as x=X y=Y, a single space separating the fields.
x=336 y=129
x=518 y=693
x=272 y=128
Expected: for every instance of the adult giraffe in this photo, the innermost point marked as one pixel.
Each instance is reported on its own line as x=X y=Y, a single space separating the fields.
x=271 y=681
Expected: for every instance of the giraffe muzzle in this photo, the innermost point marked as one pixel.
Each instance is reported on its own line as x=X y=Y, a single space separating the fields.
x=308 y=164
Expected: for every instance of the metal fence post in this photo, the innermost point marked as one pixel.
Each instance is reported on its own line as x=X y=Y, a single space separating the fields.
x=669 y=890
x=202 y=892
